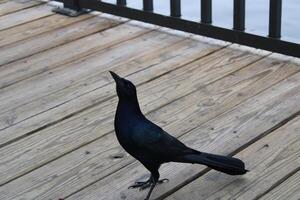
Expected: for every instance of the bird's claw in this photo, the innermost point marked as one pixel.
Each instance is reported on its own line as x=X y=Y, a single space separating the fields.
x=145 y=184
x=140 y=184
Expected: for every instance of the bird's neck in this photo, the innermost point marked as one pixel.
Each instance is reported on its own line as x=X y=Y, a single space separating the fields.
x=129 y=106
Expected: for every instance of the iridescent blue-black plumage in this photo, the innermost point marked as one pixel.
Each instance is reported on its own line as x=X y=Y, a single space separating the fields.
x=152 y=146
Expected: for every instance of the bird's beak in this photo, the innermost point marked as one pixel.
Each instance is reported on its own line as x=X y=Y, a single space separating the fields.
x=117 y=78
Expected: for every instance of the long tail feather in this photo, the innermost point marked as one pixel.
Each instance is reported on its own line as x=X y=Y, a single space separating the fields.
x=225 y=164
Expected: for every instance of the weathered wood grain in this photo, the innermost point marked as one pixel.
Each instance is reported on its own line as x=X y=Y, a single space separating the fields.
x=13 y=6
x=70 y=77
x=36 y=27
x=110 y=91
x=147 y=93
x=54 y=38
x=269 y=160
x=289 y=189
x=169 y=61
x=269 y=71
x=10 y=91
x=231 y=130
x=216 y=98
x=23 y=16
x=33 y=65
x=58 y=140
x=4 y=1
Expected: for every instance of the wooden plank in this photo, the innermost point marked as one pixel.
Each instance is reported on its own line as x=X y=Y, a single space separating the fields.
x=150 y=38
x=61 y=77
x=106 y=109
x=289 y=189
x=14 y=96
x=4 y=1
x=36 y=27
x=33 y=65
x=82 y=101
x=54 y=38
x=163 y=55
x=269 y=160
x=216 y=98
x=24 y=16
x=85 y=98
x=72 y=166
x=108 y=164
x=232 y=130
x=13 y=6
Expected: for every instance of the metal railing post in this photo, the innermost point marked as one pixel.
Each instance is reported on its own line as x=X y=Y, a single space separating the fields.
x=239 y=8
x=175 y=8
x=148 y=5
x=121 y=2
x=206 y=11
x=235 y=35
x=275 y=18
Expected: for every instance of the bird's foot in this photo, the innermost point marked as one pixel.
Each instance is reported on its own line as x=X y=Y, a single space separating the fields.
x=141 y=185
x=146 y=184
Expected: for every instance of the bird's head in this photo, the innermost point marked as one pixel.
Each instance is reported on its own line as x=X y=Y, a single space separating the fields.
x=125 y=89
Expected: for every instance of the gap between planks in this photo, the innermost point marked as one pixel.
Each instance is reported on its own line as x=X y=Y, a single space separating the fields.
x=289 y=189
x=283 y=123
x=52 y=39
x=231 y=60
x=94 y=44
x=135 y=65
x=110 y=60
x=14 y=6
x=265 y=106
x=47 y=125
x=37 y=27
x=271 y=159
x=24 y=16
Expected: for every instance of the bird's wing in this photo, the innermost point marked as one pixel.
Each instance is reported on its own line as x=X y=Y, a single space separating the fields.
x=153 y=139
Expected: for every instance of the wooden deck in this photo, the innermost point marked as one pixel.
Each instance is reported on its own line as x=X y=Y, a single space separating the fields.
x=57 y=103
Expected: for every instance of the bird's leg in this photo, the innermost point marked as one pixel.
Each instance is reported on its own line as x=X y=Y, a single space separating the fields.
x=154 y=179
x=150 y=191
x=153 y=182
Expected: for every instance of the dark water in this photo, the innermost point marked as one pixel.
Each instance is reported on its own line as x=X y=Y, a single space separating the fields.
x=257 y=14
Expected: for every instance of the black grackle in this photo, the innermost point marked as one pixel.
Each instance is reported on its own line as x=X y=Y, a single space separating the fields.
x=152 y=146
